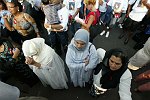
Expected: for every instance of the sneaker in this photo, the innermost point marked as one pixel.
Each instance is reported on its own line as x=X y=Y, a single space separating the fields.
x=107 y=27
x=99 y=23
x=107 y=34
x=120 y=26
x=102 y=33
x=121 y=35
x=126 y=40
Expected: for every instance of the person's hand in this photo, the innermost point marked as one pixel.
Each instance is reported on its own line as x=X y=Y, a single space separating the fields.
x=71 y=18
x=5 y=16
x=16 y=52
x=46 y=25
x=86 y=61
x=31 y=61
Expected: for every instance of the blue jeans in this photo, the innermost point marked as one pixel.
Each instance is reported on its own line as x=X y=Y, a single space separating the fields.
x=107 y=16
x=74 y=27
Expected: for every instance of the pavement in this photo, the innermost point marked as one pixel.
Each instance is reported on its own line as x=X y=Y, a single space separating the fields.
x=77 y=93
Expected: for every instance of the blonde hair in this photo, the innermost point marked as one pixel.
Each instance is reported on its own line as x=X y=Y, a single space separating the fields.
x=93 y=2
x=54 y=1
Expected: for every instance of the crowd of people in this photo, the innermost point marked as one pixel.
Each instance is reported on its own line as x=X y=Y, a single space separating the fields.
x=25 y=55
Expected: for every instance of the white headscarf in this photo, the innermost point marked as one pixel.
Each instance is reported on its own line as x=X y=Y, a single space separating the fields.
x=37 y=49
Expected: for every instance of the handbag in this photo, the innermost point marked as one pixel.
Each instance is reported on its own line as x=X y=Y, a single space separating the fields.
x=95 y=30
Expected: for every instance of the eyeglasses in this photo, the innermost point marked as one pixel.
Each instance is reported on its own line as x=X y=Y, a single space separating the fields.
x=10 y=1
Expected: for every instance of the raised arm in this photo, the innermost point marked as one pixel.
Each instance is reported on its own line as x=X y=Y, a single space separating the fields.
x=7 y=23
x=32 y=22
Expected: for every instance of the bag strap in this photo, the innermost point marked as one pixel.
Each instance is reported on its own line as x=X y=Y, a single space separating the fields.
x=90 y=47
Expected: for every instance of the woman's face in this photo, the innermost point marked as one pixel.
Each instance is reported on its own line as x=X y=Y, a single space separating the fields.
x=115 y=63
x=90 y=7
x=12 y=8
x=29 y=60
x=79 y=44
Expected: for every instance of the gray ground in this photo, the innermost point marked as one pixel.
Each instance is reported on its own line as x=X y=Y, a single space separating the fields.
x=82 y=93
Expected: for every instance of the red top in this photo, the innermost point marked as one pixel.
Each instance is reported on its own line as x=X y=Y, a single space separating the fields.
x=87 y=18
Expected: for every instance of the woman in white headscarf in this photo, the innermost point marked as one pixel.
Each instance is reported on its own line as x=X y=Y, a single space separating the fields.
x=81 y=58
x=46 y=64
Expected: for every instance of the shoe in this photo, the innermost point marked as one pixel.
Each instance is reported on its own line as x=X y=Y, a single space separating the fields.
x=107 y=34
x=132 y=67
x=126 y=41
x=121 y=36
x=99 y=23
x=120 y=26
x=102 y=33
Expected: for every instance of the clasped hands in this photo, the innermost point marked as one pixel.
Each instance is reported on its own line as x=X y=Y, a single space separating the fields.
x=31 y=61
x=86 y=61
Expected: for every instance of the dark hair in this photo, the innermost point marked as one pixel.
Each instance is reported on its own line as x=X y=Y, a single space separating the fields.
x=3 y=3
x=121 y=55
x=45 y=2
x=16 y=3
x=117 y=52
x=93 y=2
